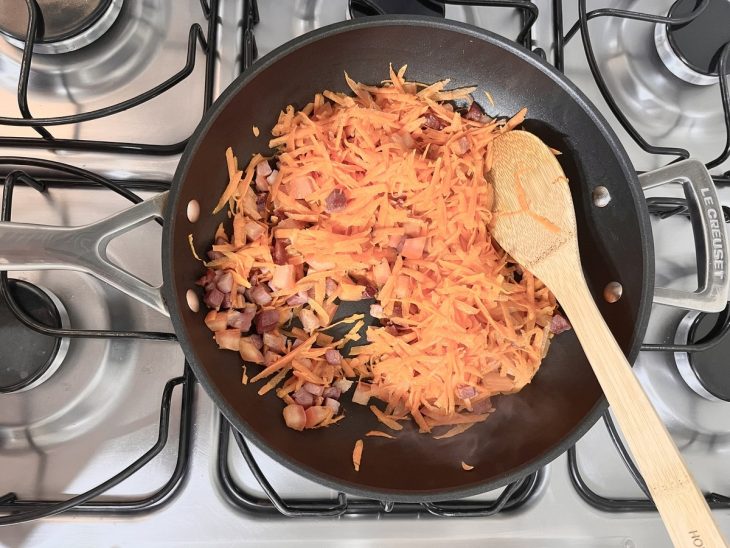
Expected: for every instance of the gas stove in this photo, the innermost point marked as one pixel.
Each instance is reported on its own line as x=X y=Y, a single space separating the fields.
x=105 y=437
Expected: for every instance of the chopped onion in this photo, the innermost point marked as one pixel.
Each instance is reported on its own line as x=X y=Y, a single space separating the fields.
x=255 y=340
x=559 y=324
x=263 y=169
x=376 y=311
x=275 y=341
x=240 y=320
x=316 y=414
x=381 y=272
x=303 y=398
x=271 y=179
x=317 y=264
x=333 y=356
x=253 y=230
x=335 y=201
x=412 y=230
x=343 y=385
x=279 y=253
x=270 y=357
x=351 y=292
x=330 y=286
x=432 y=121
x=313 y=389
x=413 y=247
x=249 y=353
x=295 y=416
x=461 y=146
x=207 y=278
x=284 y=277
x=225 y=282
x=260 y=295
x=302 y=187
x=228 y=339
x=476 y=113
x=213 y=298
x=267 y=320
x=332 y=404
x=297 y=299
x=250 y=207
x=310 y=321
x=291 y=223
x=216 y=321
x=361 y=394
x=331 y=392
x=482 y=406
x=464 y=391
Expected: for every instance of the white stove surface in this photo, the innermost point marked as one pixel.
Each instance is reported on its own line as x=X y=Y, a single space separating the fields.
x=198 y=514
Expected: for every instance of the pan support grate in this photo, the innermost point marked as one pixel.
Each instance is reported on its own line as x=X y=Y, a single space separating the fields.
x=15 y=510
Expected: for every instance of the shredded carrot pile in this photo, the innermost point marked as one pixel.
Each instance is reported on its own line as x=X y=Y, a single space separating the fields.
x=383 y=194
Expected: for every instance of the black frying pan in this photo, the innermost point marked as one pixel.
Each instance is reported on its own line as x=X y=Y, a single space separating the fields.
x=528 y=429
x=564 y=400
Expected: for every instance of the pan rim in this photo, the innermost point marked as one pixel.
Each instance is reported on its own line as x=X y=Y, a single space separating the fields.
x=170 y=287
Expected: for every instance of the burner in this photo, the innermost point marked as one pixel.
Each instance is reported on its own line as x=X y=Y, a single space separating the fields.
x=692 y=51
x=705 y=372
x=63 y=26
x=28 y=358
x=364 y=8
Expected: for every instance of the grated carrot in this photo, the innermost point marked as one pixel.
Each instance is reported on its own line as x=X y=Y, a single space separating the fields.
x=379 y=434
x=384 y=194
x=357 y=455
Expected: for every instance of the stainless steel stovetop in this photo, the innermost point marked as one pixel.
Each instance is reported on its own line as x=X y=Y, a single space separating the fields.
x=101 y=410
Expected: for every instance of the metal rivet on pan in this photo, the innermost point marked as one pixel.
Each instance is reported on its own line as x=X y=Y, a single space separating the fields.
x=601 y=196
x=192 y=299
x=193 y=211
x=612 y=292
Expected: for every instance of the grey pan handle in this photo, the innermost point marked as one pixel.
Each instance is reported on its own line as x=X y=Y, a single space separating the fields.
x=710 y=237
x=39 y=247
x=83 y=248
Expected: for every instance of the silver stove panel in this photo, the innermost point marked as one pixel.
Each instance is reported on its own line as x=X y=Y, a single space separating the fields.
x=199 y=514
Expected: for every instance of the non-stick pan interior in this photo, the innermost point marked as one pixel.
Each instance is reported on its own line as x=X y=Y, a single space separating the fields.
x=528 y=428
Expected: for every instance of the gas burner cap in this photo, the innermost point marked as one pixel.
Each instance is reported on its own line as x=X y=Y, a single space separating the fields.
x=705 y=372
x=364 y=8
x=64 y=25
x=692 y=51
x=28 y=358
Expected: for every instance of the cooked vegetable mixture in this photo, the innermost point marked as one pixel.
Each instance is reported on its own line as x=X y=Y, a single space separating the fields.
x=377 y=196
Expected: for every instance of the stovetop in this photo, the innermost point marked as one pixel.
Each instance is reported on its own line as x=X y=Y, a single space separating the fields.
x=125 y=411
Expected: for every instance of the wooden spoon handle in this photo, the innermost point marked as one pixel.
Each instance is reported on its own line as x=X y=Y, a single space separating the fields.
x=682 y=507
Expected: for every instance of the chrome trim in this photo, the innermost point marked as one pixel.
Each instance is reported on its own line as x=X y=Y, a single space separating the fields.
x=682 y=358
x=711 y=245
x=84 y=38
x=62 y=348
x=674 y=64
x=83 y=248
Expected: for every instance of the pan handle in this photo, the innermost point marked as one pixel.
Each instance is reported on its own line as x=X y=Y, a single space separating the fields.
x=710 y=237
x=83 y=248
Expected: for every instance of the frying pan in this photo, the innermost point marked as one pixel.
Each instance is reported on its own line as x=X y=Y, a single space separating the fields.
x=529 y=428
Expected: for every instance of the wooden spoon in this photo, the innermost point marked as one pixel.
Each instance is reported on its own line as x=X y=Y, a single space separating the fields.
x=535 y=223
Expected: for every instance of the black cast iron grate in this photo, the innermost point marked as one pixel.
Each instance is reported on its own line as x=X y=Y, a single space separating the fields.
x=616 y=505
x=18 y=510
x=196 y=37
